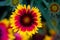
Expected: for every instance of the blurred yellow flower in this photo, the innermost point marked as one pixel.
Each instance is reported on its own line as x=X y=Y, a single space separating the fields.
x=48 y=37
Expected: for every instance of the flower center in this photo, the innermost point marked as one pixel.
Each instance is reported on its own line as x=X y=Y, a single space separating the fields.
x=26 y=20
x=54 y=8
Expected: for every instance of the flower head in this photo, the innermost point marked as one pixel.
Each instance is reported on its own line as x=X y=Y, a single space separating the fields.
x=26 y=19
x=4 y=29
x=54 y=7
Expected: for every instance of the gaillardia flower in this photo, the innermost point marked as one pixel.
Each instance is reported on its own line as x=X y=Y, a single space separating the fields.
x=54 y=7
x=26 y=19
x=3 y=29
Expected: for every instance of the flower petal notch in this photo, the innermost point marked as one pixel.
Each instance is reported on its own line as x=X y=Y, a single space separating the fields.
x=26 y=19
x=54 y=7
